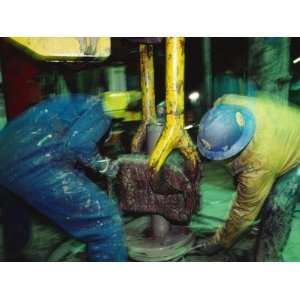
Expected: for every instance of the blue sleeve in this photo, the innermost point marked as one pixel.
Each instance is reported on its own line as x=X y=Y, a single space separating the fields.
x=83 y=135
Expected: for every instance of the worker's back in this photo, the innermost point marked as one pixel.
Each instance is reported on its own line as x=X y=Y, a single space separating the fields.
x=276 y=143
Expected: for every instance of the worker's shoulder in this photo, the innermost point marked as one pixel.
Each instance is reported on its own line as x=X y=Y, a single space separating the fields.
x=234 y=100
x=76 y=103
x=69 y=99
x=256 y=104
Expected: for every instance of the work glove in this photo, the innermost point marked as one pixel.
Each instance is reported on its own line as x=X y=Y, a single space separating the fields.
x=113 y=168
x=207 y=246
x=110 y=167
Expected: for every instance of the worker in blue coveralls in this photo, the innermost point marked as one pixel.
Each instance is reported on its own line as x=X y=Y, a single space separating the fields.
x=38 y=154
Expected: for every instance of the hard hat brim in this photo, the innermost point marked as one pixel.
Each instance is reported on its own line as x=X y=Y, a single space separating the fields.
x=241 y=143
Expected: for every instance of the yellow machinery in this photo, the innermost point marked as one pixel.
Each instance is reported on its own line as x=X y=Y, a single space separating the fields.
x=78 y=49
x=168 y=241
x=148 y=96
x=174 y=135
x=117 y=104
x=66 y=48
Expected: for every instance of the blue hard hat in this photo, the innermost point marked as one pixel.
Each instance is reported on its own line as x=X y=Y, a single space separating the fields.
x=224 y=131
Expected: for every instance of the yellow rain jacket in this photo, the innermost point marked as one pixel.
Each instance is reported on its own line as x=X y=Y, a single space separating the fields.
x=274 y=150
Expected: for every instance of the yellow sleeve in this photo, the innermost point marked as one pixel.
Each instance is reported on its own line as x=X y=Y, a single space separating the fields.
x=234 y=99
x=218 y=101
x=252 y=190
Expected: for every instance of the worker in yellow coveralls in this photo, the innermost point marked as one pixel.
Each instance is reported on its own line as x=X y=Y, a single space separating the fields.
x=259 y=140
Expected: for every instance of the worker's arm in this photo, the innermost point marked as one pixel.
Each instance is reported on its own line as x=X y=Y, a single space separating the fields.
x=83 y=135
x=252 y=190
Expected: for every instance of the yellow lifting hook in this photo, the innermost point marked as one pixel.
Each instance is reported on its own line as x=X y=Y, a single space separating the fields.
x=174 y=135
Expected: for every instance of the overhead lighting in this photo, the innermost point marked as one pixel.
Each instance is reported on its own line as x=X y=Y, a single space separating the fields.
x=194 y=96
x=296 y=60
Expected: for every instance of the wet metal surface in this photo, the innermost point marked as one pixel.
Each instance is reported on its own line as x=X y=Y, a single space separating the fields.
x=143 y=246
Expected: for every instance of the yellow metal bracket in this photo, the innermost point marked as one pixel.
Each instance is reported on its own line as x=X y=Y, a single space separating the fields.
x=148 y=96
x=116 y=104
x=174 y=135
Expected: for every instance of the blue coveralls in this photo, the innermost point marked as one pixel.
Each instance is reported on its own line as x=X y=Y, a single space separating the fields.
x=38 y=153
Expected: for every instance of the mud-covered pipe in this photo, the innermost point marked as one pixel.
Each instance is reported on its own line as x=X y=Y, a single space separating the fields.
x=160 y=226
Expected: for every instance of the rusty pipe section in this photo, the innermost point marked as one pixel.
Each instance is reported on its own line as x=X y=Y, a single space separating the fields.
x=174 y=135
x=148 y=96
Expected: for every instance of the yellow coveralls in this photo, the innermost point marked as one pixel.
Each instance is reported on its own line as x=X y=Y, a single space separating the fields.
x=274 y=150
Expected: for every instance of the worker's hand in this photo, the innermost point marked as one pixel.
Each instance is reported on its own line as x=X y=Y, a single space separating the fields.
x=108 y=167
x=208 y=246
x=113 y=168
